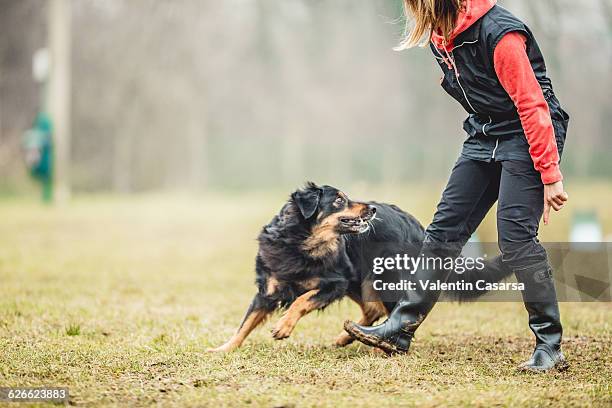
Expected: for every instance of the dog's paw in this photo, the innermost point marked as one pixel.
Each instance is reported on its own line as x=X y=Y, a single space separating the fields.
x=224 y=348
x=279 y=334
x=343 y=340
x=283 y=329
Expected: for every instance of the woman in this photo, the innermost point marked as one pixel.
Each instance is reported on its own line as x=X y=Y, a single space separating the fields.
x=516 y=129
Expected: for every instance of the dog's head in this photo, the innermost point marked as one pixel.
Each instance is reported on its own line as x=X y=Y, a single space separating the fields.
x=329 y=211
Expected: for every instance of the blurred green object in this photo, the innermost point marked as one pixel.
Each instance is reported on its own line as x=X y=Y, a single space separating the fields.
x=38 y=147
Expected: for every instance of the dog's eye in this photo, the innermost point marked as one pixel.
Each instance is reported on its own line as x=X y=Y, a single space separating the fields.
x=339 y=202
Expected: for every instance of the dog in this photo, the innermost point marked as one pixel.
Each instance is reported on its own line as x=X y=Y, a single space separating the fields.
x=318 y=250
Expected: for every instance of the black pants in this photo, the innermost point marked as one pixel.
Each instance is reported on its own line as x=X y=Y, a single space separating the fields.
x=474 y=186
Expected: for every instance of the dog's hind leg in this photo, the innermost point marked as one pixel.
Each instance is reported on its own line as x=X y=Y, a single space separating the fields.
x=258 y=312
x=370 y=312
x=303 y=305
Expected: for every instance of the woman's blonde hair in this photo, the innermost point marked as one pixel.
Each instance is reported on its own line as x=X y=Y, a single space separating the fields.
x=427 y=16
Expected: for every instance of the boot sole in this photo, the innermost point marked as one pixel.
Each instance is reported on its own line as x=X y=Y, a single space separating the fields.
x=373 y=341
x=559 y=366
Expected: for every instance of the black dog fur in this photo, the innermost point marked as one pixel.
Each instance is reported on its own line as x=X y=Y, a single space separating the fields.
x=319 y=249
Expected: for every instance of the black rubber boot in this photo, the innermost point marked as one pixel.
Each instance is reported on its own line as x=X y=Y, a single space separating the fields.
x=540 y=300
x=395 y=334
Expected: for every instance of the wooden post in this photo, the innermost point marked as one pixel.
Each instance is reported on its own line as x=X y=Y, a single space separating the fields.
x=59 y=26
x=1 y=106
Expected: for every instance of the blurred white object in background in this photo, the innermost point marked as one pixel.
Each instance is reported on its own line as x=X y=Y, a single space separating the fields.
x=40 y=65
x=586 y=233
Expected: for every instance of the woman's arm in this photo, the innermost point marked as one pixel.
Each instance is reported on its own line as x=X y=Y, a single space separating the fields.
x=516 y=76
x=518 y=79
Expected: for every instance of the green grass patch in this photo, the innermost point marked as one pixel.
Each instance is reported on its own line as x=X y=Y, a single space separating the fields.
x=119 y=299
x=73 y=329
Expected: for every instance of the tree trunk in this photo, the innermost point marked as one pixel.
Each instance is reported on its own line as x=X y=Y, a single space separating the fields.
x=59 y=20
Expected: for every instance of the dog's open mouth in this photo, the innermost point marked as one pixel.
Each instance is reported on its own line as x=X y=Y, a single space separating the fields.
x=356 y=225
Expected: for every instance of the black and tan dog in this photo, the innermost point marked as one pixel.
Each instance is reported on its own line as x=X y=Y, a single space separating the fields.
x=317 y=250
x=320 y=248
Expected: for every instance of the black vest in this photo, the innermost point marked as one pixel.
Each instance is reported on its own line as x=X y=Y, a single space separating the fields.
x=478 y=90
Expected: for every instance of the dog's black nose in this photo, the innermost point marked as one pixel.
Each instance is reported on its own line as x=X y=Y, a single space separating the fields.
x=371 y=209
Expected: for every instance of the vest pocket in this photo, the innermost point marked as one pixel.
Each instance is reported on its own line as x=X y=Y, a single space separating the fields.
x=451 y=88
x=560 y=128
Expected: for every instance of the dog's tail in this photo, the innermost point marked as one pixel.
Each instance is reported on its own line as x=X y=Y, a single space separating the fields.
x=494 y=271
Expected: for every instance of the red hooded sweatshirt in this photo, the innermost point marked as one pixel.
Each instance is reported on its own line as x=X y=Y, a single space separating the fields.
x=518 y=79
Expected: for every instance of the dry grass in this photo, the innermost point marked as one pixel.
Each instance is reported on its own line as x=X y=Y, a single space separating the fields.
x=119 y=299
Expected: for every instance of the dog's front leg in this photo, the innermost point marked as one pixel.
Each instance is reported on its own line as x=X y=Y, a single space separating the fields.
x=303 y=305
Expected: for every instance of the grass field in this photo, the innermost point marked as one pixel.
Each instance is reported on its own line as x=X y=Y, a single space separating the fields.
x=118 y=299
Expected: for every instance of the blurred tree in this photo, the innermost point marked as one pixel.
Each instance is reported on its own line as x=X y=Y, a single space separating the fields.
x=23 y=32
x=202 y=94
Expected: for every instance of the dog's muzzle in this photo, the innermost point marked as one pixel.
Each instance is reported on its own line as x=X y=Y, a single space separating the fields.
x=359 y=224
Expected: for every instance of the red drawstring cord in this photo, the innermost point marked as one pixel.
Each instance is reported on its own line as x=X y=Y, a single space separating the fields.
x=450 y=62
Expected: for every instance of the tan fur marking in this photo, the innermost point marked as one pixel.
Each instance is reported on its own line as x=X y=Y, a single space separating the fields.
x=358 y=208
x=322 y=242
x=272 y=285
x=324 y=239
x=372 y=302
x=310 y=284
x=370 y=313
x=298 y=309
x=251 y=322
x=373 y=311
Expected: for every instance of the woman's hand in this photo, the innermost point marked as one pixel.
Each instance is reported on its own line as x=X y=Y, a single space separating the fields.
x=555 y=197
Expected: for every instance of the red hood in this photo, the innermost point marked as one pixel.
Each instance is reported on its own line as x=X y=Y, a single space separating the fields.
x=474 y=9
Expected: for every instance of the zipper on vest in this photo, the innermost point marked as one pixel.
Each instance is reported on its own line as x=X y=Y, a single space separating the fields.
x=456 y=71
x=484 y=127
x=465 y=42
x=464 y=94
x=454 y=67
x=495 y=149
x=459 y=82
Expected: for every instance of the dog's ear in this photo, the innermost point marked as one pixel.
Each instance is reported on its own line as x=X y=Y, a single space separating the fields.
x=307 y=199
